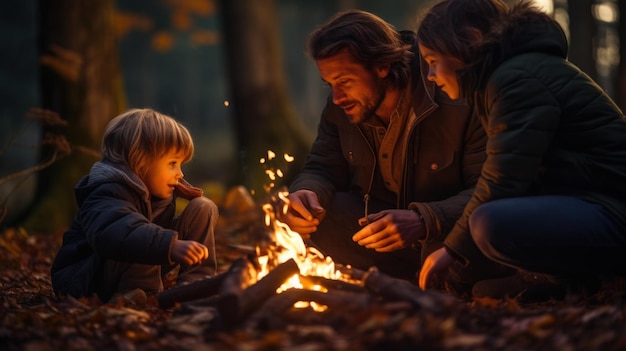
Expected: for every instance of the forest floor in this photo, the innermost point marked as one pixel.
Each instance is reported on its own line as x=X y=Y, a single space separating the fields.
x=32 y=318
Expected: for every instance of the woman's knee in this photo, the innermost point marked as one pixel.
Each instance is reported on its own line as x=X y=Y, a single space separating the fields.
x=489 y=228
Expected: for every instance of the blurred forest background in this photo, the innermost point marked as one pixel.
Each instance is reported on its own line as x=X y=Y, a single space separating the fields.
x=233 y=71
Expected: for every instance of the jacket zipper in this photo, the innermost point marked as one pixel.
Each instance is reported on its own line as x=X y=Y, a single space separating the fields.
x=366 y=197
x=403 y=196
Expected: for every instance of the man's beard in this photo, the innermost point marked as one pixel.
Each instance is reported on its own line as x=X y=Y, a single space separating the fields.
x=370 y=107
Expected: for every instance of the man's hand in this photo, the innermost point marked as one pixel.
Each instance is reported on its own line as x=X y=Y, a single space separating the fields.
x=189 y=252
x=435 y=264
x=390 y=230
x=304 y=212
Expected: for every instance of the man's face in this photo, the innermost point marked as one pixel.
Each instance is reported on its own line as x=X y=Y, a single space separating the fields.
x=357 y=90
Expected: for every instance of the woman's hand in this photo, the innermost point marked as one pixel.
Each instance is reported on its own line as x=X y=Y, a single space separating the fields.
x=436 y=263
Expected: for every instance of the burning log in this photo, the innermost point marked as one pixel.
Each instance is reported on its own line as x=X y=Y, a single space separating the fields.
x=351 y=272
x=267 y=286
x=226 y=301
x=331 y=284
x=236 y=299
x=223 y=283
x=394 y=289
x=274 y=313
x=191 y=291
x=238 y=278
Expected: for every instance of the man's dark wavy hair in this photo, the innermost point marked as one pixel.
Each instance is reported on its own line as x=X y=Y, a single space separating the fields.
x=371 y=41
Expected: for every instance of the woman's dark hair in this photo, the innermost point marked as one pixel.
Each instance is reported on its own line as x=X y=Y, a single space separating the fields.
x=452 y=27
x=369 y=39
x=479 y=33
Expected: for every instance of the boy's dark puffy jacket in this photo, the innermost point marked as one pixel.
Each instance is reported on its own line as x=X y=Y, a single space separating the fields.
x=115 y=220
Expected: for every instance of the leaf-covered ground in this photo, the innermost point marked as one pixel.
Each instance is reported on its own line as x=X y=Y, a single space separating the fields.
x=32 y=318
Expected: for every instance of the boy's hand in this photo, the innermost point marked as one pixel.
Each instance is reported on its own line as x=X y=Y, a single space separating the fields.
x=189 y=252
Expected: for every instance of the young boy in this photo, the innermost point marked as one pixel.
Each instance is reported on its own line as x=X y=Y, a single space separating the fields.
x=125 y=235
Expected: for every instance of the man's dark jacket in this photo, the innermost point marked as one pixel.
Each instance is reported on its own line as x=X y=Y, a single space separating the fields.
x=445 y=152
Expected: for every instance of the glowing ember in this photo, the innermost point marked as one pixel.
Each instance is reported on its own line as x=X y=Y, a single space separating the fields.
x=288 y=158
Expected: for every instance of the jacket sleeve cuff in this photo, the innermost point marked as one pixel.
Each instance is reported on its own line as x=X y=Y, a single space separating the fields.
x=431 y=222
x=461 y=246
x=187 y=191
x=171 y=248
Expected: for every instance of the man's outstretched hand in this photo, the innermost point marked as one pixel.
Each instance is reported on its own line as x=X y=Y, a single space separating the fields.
x=390 y=230
x=304 y=212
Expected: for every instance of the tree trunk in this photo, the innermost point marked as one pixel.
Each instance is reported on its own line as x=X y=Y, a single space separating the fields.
x=583 y=30
x=81 y=82
x=260 y=104
x=620 y=84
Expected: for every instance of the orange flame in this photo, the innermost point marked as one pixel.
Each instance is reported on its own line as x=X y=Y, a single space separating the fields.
x=289 y=245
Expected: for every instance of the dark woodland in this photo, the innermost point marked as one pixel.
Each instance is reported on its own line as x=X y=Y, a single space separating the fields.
x=82 y=82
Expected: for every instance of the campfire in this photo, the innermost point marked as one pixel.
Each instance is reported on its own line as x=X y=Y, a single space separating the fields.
x=286 y=279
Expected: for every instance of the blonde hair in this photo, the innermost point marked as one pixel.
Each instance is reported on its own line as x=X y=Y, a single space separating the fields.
x=140 y=136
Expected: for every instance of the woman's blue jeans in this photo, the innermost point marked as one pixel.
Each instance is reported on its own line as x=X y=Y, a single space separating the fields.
x=551 y=234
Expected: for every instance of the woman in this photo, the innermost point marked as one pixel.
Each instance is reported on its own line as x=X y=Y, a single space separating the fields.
x=551 y=199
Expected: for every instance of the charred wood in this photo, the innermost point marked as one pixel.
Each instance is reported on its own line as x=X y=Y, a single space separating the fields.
x=235 y=279
x=331 y=283
x=279 y=310
x=394 y=289
x=227 y=301
x=236 y=299
x=265 y=288
x=350 y=272
x=192 y=291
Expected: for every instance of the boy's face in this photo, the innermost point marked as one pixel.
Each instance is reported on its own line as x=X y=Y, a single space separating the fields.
x=163 y=174
x=357 y=90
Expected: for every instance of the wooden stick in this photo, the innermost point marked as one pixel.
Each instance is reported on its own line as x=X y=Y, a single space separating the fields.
x=331 y=283
x=351 y=272
x=265 y=288
x=239 y=277
x=236 y=279
x=272 y=313
x=394 y=289
x=236 y=300
x=191 y=291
